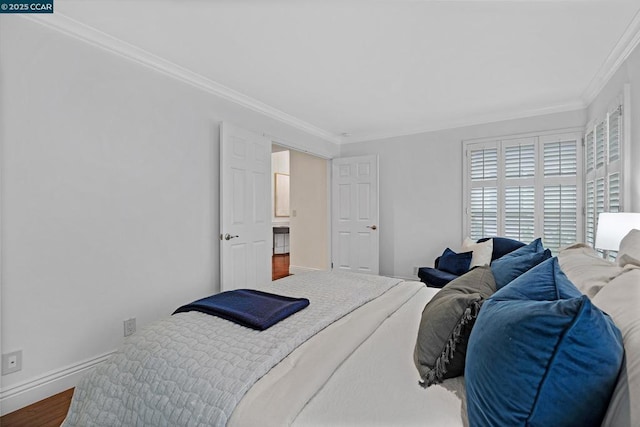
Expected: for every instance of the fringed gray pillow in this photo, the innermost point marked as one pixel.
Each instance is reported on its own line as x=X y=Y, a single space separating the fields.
x=446 y=325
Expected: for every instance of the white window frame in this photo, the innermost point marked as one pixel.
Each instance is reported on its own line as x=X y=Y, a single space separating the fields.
x=539 y=181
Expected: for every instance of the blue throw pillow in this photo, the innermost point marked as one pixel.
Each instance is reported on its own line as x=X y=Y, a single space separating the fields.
x=544 y=282
x=541 y=354
x=509 y=267
x=454 y=263
x=533 y=247
x=502 y=246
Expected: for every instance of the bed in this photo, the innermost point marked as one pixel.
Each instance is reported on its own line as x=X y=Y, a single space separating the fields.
x=347 y=359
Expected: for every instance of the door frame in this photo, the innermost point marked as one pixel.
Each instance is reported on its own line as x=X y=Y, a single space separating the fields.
x=313 y=152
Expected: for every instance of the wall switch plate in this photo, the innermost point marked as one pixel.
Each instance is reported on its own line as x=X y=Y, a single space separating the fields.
x=129 y=326
x=11 y=362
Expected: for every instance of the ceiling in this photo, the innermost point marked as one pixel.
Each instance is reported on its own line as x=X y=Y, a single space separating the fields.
x=359 y=70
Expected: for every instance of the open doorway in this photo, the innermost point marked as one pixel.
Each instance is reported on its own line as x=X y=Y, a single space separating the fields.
x=280 y=211
x=300 y=212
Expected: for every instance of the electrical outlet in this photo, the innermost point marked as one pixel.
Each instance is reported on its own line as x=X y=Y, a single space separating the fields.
x=415 y=271
x=129 y=326
x=11 y=362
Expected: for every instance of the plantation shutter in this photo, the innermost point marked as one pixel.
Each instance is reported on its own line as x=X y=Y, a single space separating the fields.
x=615 y=131
x=590 y=201
x=560 y=194
x=560 y=215
x=603 y=177
x=525 y=188
x=600 y=143
x=560 y=158
x=483 y=199
x=520 y=161
x=484 y=212
x=590 y=152
x=484 y=164
x=599 y=196
x=519 y=189
x=614 y=192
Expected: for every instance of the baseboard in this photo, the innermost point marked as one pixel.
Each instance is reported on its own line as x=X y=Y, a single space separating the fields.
x=296 y=269
x=23 y=394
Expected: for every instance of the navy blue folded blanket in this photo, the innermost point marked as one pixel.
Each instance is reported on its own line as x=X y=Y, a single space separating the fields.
x=248 y=307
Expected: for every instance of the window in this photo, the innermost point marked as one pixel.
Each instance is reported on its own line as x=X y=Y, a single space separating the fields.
x=525 y=188
x=603 y=177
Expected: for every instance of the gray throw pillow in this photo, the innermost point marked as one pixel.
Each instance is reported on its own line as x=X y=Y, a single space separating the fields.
x=446 y=324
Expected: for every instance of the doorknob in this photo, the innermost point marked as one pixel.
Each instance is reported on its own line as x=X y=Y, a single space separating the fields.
x=373 y=227
x=228 y=236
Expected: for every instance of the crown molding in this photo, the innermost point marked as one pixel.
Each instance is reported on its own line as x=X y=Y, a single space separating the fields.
x=69 y=26
x=471 y=121
x=66 y=25
x=620 y=52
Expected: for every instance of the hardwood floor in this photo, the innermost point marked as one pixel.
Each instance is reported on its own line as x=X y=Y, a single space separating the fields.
x=279 y=266
x=51 y=411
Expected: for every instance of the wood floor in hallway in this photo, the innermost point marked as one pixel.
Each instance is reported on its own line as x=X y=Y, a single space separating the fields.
x=279 y=266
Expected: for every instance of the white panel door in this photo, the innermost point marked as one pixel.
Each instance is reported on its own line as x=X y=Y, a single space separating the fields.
x=355 y=238
x=245 y=229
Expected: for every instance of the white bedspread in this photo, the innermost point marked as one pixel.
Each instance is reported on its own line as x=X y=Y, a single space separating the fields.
x=192 y=369
x=277 y=398
x=357 y=372
x=378 y=384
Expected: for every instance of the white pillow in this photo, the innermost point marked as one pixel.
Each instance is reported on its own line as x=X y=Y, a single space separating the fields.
x=481 y=251
x=587 y=269
x=621 y=299
x=629 y=252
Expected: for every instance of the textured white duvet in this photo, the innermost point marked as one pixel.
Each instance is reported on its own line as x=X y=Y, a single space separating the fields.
x=357 y=372
x=192 y=369
x=277 y=398
x=378 y=384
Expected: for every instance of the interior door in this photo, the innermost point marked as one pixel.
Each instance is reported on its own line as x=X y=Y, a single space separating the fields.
x=355 y=229
x=245 y=200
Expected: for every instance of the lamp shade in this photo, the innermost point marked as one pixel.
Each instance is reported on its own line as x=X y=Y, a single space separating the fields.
x=613 y=226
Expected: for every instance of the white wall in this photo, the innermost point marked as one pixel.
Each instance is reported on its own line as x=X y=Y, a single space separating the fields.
x=628 y=73
x=109 y=200
x=309 y=228
x=421 y=188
